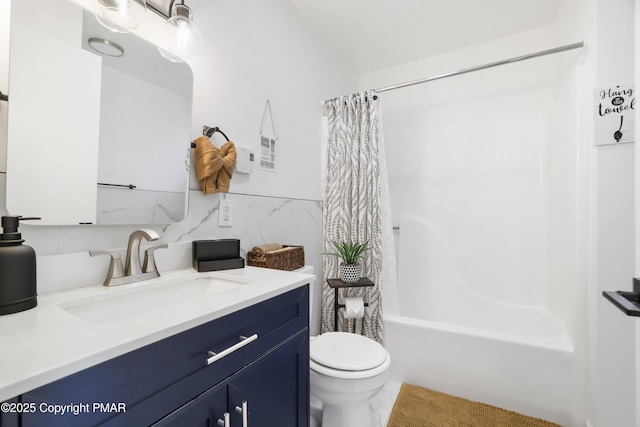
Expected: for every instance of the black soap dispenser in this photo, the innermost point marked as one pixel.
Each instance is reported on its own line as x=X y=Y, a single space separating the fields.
x=17 y=269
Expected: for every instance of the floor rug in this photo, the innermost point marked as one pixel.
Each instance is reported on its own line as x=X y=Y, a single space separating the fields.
x=421 y=407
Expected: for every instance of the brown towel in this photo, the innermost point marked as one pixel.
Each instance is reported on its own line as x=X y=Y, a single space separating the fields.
x=208 y=164
x=261 y=251
x=228 y=155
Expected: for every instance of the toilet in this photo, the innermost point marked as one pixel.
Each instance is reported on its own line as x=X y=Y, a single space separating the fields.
x=346 y=370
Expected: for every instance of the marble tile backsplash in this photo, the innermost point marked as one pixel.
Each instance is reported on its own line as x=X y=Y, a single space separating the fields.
x=121 y=205
x=256 y=220
x=64 y=262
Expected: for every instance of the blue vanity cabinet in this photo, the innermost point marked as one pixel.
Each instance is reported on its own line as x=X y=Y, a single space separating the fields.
x=170 y=383
x=272 y=391
x=9 y=416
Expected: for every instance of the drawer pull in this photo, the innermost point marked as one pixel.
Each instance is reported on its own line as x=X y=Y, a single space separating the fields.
x=243 y=341
x=245 y=413
x=226 y=422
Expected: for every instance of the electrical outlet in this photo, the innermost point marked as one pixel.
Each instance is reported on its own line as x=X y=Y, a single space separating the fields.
x=225 y=210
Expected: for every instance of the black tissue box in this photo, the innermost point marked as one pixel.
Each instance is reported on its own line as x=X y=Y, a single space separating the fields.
x=212 y=255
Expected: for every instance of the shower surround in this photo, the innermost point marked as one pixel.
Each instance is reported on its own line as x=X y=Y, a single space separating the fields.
x=489 y=192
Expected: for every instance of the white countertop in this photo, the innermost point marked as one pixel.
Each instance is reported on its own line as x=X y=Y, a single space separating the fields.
x=47 y=343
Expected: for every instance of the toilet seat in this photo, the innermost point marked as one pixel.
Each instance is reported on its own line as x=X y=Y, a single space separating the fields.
x=347 y=355
x=347 y=351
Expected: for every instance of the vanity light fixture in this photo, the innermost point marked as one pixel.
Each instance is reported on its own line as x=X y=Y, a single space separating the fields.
x=105 y=47
x=125 y=14
x=182 y=36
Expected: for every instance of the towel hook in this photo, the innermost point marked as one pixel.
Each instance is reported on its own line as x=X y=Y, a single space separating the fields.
x=617 y=135
x=209 y=131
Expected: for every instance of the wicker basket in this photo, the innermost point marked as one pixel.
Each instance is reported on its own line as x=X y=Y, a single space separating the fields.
x=288 y=258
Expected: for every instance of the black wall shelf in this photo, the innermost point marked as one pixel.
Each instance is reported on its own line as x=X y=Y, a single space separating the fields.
x=627 y=302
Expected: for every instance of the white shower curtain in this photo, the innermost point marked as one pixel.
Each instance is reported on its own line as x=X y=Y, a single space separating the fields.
x=357 y=209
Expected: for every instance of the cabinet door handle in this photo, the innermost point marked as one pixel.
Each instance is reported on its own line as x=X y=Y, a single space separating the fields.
x=243 y=341
x=244 y=410
x=226 y=422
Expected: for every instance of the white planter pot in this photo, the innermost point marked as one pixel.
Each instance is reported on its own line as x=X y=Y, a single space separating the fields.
x=350 y=273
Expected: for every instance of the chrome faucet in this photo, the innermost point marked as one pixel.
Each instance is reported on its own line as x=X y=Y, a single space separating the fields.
x=133 y=266
x=134 y=270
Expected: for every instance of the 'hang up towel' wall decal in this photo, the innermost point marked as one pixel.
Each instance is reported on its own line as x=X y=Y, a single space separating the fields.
x=614 y=114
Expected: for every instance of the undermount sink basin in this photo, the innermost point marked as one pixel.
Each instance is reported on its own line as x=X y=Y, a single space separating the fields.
x=120 y=303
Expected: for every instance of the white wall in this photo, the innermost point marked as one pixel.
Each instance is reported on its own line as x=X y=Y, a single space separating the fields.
x=5 y=17
x=612 y=353
x=261 y=50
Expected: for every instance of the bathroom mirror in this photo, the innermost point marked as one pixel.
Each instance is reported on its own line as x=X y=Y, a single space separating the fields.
x=99 y=138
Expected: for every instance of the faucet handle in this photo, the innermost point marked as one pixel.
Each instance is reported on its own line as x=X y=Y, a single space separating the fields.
x=115 y=265
x=149 y=264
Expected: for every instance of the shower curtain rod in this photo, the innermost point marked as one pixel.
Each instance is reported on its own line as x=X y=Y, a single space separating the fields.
x=485 y=66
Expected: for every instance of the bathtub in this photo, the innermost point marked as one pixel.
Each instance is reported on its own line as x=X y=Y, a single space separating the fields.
x=449 y=338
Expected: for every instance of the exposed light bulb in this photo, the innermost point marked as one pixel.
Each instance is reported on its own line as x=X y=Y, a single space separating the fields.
x=122 y=7
x=182 y=35
x=125 y=14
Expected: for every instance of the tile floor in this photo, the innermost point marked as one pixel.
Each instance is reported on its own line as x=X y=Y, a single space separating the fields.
x=381 y=405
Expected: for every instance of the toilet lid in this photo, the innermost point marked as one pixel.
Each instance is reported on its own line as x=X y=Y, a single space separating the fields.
x=347 y=351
